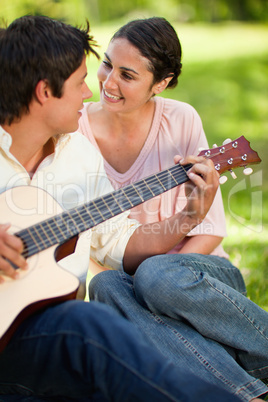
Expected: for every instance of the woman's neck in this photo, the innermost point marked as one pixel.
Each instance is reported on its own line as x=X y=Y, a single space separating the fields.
x=121 y=137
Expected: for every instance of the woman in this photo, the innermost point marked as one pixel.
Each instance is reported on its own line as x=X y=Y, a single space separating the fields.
x=144 y=132
x=176 y=299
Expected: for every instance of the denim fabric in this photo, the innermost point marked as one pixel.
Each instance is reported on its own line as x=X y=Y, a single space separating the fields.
x=78 y=351
x=151 y=301
x=206 y=291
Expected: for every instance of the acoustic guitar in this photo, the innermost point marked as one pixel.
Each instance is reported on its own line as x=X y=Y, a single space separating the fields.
x=45 y=282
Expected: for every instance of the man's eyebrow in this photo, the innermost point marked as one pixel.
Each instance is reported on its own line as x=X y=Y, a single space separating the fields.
x=121 y=68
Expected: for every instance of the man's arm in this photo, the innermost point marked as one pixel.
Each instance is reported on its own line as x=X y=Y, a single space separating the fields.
x=160 y=237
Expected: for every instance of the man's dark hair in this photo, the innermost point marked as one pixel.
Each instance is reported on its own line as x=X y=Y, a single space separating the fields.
x=34 y=48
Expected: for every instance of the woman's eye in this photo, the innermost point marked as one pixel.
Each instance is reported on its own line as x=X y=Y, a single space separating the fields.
x=127 y=76
x=107 y=64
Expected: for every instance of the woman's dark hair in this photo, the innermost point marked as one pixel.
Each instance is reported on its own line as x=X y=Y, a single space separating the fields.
x=156 y=40
x=34 y=48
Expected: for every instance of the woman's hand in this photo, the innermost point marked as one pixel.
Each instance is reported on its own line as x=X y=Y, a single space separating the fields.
x=202 y=187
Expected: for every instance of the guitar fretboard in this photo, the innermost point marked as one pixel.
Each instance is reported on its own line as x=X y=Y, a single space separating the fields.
x=58 y=229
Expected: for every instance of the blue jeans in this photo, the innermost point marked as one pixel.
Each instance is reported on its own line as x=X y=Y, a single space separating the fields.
x=78 y=351
x=192 y=309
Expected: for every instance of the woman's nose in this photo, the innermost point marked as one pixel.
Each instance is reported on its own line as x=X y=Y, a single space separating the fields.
x=110 y=81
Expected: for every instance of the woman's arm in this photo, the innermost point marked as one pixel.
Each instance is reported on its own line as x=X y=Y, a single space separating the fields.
x=160 y=237
x=201 y=244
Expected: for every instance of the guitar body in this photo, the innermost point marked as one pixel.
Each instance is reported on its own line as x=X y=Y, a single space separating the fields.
x=44 y=282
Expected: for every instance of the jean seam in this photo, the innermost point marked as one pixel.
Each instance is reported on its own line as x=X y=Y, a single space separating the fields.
x=230 y=300
x=237 y=307
x=242 y=389
x=200 y=358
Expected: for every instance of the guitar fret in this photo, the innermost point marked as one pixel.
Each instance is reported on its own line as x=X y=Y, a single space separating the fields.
x=133 y=191
x=46 y=231
x=123 y=202
x=134 y=187
x=107 y=205
x=173 y=177
x=39 y=236
x=124 y=192
x=155 y=189
x=79 y=214
x=65 y=226
x=61 y=236
x=105 y=212
x=94 y=203
x=52 y=229
x=114 y=199
x=144 y=181
x=85 y=209
x=170 y=179
x=75 y=226
x=161 y=183
x=30 y=239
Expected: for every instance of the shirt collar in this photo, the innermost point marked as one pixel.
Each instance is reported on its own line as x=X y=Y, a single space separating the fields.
x=5 y=140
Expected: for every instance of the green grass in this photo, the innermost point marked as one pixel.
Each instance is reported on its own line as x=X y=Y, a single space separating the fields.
x=225 y=77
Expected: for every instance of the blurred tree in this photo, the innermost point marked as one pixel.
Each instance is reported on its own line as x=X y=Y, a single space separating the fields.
x=245 y=10
x=220 y=10
x=99 y=11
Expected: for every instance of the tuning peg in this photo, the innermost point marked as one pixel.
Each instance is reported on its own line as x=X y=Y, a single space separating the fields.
x=247 y=171
x=225 y=142
x=223 y=179
x=233 y=174
x=214 y=146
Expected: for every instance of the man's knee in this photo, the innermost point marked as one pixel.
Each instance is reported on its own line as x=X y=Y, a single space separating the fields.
x=149 y=279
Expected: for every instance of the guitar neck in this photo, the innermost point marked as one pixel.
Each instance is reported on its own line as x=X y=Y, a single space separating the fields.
x=58 y=229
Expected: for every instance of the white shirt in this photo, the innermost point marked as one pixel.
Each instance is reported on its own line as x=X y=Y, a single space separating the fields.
x=73 y=175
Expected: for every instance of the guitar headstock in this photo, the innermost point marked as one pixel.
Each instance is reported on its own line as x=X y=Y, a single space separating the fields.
x=231 y=155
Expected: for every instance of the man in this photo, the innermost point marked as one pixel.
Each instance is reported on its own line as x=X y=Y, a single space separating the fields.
x=75 y=350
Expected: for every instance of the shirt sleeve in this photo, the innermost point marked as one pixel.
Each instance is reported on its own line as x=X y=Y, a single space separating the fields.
x=110 y=239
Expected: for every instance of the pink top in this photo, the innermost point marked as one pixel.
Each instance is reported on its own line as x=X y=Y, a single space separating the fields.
x=176 y=130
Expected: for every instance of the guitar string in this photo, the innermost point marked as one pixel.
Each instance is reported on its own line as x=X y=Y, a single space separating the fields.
x=85 y=214
x=82 y=212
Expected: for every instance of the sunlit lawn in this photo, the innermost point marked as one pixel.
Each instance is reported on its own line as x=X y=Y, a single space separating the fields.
x=225 y=77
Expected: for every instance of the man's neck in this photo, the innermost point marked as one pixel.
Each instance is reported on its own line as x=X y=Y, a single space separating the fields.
x=29 y=148
x=32 y=164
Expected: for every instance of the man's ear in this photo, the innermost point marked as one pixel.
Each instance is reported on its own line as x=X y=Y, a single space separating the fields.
x=42 y=91
x=161 y=86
